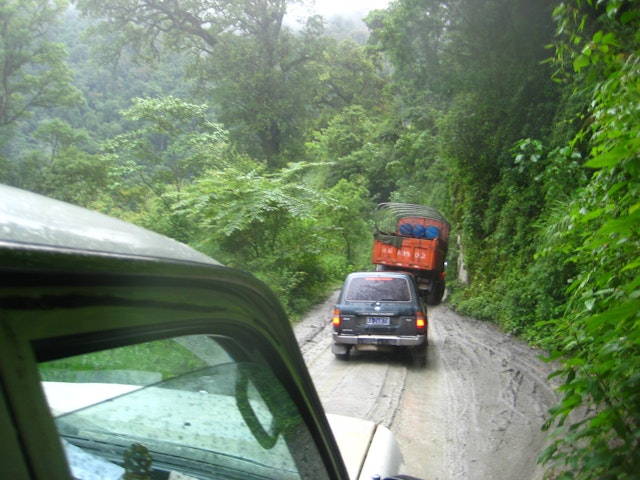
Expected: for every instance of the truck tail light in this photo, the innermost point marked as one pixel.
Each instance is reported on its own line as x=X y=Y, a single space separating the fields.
x=336 y=319
x=421 y=322
x=443 y=275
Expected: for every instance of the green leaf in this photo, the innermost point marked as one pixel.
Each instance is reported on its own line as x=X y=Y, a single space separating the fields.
x=580 y=62
x=614 y=316
x=632 y=265
x=609 y=159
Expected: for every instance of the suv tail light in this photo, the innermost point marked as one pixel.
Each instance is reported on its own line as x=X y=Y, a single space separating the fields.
x=336 y=319
x=421 y=322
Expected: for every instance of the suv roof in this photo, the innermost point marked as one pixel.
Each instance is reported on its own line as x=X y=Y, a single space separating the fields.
x=379 y=286
x=376 y=274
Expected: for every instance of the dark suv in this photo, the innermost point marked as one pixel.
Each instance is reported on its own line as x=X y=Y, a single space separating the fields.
x=379 y=311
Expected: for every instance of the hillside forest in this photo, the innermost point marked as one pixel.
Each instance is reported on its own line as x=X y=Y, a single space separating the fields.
x=264 y=135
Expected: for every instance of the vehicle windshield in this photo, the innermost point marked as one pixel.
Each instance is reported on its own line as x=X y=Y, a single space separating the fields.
x=378 y=289
x=160 y=410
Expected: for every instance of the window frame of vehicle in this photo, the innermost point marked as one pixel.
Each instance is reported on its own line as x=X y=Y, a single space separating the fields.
x=57 y=302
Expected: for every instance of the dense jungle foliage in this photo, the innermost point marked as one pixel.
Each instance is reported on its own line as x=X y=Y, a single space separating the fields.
x=266 y=139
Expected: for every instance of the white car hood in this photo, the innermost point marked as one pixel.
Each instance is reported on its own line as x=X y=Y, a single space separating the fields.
x=368 y=449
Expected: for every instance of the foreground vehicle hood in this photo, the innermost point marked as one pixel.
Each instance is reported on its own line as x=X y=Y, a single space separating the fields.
x=368 y=449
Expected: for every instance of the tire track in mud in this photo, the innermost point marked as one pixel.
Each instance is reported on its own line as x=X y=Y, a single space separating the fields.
x=371 y=385
x=360 y=387
x=498 y=400
x=474 y=412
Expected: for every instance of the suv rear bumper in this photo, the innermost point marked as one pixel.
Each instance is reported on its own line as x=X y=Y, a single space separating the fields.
x=379 y=340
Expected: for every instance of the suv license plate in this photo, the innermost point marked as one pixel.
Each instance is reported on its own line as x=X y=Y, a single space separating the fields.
x=378 y=321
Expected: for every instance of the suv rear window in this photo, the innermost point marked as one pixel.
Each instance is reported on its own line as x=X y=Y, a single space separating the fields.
x=374 y=289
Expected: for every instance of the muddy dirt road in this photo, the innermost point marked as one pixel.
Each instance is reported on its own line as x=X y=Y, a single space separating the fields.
x=474 y=412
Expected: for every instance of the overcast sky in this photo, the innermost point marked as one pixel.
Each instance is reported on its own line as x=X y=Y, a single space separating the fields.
x=356 y=9
x=331 y=7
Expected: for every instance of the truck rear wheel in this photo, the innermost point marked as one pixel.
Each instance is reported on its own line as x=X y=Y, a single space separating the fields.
x=436 y=294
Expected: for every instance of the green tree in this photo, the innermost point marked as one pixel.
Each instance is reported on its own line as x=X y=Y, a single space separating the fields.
x=55 y=162
x=250 y=66
x=349 y=150
x=33 y=73
x=247 y=210
x=169 y=144
x=78 y=177
x=423 y=175
x=349 y=75
x=57 y=135
x=346 y=216
x=265 y=223
x=64 y=168
x=263 y=87
x=412 y=34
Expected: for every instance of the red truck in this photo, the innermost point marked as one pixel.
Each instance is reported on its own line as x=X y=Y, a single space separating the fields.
x=415 y=239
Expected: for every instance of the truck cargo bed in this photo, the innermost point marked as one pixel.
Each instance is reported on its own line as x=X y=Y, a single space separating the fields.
x=415 y=239
x=412 y=253
x=410 y=236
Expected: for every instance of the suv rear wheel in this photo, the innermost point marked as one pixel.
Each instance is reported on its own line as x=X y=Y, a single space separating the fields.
x=419 y=355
